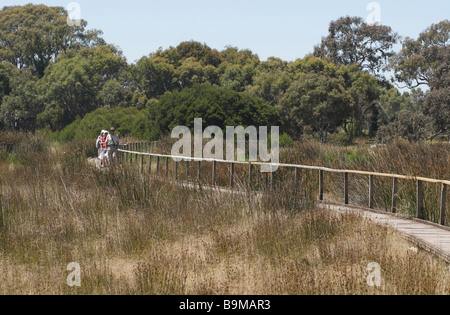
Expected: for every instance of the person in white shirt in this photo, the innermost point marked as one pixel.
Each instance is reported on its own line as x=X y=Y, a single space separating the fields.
x=112 y=145
x=98 y=143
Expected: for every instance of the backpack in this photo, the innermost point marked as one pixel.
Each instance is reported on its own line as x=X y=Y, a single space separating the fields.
x=97 y=144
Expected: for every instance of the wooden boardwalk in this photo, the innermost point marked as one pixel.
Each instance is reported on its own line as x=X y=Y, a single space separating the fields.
x=428 y=236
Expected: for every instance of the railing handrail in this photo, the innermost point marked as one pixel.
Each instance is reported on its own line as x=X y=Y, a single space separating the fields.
x=319 y=168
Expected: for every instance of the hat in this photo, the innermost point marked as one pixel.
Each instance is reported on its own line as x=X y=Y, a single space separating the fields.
x=112 y=129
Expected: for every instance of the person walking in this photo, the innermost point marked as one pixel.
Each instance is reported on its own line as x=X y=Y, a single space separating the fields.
x=103 y=149
x=112 y=144
x=98 y=143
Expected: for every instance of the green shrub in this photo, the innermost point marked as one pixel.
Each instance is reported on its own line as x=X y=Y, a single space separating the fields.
x=286 y=141
x=341 y=137
x=217 y=106
x=129 y=122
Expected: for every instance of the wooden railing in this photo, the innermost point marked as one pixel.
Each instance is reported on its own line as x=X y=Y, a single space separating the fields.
x=131 y=152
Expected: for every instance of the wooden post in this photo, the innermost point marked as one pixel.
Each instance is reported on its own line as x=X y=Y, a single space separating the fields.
x=176 y=169
x=371 y=191
x=167 y=167
x=232 y=175
x=149 y=165
x=272 y=180
x=157 y=164
x=346 y=196
x=250 y=173
x=259 y=179
x=419 y=200
x=131 y=155
x=394 y=195
x=142 y=163
x=136 y=150
x=214 y=173
x=443 y=202
x=321 y=185
x=187 y=169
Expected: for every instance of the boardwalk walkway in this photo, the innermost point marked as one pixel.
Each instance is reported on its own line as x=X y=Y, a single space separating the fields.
x=428 y=236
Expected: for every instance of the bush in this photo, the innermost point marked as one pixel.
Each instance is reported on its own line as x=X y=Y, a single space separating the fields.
x=286 y=141
x=217 y=106
x=341 y=137
x=409 y=125
x=129 y=122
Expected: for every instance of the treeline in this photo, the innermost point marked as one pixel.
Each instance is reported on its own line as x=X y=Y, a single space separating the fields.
x=68 y=80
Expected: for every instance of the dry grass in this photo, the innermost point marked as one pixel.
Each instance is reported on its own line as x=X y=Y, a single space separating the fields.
x=414 y=159
x=134 y=235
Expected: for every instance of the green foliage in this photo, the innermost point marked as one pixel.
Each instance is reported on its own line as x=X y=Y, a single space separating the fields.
x=129 y=122
x=341 y=137
x=317 y=101
x=312 y=64
x=353 y=41
x=286 y=141
x=112 y=94
x=199 y=52
x=218 y=106
x=237 y=77
x=426 y=61
x=409 y=125
x=413 y=65
x=234 y=56
x=71 y=86
x=193 y=72
x=6 y=72
x=51 y=73
x=270 y=86
x=33 y=35
x=437 y=102
x=20 y=108
x=392 y=102
x=154 y=76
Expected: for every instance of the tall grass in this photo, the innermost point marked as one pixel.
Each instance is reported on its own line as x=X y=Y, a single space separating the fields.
x=404 y=158
x=133 y=234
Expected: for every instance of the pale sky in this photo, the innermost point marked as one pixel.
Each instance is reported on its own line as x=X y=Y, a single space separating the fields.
x=288 y=29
